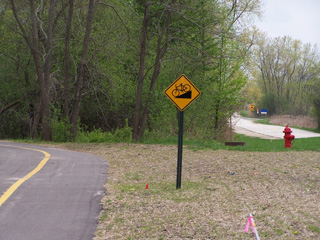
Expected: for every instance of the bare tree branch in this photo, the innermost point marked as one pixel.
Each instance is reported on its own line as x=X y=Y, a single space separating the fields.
x=130 y=9
x=116 y=13
x=8 y=56
x=5 y=108
x=24 y=33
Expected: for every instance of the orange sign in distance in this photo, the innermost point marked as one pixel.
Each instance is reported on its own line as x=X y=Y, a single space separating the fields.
x=182 y=92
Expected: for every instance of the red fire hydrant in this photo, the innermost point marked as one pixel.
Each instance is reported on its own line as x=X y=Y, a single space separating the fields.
x=288 y=137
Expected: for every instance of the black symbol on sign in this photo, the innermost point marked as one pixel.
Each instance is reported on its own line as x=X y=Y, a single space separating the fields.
x=182 y=91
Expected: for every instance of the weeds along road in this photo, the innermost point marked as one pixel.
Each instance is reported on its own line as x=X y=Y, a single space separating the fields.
x=50 y=194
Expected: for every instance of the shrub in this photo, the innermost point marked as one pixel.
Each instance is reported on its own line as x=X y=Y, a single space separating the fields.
x=244 y=113
x=123 y=134
x=95 y=136
x=60 y=127
x=98 y=136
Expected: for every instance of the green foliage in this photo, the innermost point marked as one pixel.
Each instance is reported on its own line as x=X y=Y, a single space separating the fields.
x=99 y=136
x=206 y=50
x=316 y=110
x=286 y=71
x=268 y=101
x=95 y=136
x=60 y=126
x=123 y=134
x=316 y=102
x=244 y=113
x=16 y=116
x=220 y=87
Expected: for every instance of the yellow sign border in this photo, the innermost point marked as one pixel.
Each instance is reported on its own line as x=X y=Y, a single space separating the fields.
x=172 y=100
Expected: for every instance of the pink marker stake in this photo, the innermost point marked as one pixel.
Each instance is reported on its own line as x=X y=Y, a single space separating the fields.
x=253 y=226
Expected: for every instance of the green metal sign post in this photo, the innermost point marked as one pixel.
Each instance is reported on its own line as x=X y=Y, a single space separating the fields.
x=180 y=144
x=182 y=93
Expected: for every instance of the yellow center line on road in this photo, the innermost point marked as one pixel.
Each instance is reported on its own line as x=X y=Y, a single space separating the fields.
x=17 y=184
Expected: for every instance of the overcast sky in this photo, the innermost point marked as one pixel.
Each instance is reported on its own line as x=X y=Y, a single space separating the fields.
x=299 y=19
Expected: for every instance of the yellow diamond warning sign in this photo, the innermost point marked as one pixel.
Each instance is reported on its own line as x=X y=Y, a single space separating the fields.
x=182 y=92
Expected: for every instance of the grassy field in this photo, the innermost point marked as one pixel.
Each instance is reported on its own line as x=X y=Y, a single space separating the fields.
x=220 y=187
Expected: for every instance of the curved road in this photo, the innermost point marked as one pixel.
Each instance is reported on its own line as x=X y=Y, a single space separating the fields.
x=48 y=193
x=246 y=126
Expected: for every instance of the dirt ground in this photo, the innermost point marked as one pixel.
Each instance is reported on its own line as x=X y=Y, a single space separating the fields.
x=219 y=190
x=292 y=120
x=299 y=121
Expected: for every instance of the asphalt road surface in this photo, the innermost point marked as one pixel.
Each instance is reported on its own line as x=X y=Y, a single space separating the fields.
x=48 y=193
x=247 y=126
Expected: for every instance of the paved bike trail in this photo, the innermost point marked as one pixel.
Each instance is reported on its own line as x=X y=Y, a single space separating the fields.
x=60 y=201
x=248 y=127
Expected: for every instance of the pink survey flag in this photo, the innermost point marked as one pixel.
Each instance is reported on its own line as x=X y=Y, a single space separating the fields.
x=249 y=223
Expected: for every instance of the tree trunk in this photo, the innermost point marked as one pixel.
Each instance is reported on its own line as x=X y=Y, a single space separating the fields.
x=67 y=61
x=143 y=45
x=44 y=98
x=216 y=116
x=46 y=128
x=43 y=74
x=156 y=71
x=82 y=66
x=36 y=122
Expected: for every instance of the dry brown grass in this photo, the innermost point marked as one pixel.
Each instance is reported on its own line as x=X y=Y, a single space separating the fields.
x=282 y=190
x=298 y=121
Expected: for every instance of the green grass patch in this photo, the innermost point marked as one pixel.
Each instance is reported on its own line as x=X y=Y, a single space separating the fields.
x=314 y=228
x=251 y=144
x=259 y=145
x=279 y=231
x=130 y=188
x=103 y=217
x=244 y=113
x=263 y=121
